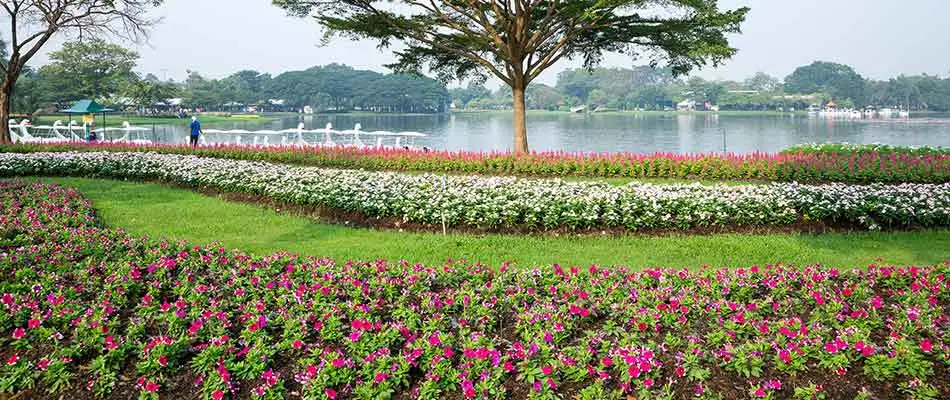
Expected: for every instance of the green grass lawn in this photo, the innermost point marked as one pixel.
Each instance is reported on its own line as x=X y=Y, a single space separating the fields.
x=162 y=211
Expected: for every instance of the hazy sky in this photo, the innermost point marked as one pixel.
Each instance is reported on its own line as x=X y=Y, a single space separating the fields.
x=880 y=38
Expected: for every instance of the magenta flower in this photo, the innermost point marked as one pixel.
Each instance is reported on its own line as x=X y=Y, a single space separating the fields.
x=331 y=394
x=380 y=377
x=13 y=359
x=19 y=333
x=217 y=395
x=925 y=345
x=547 y=369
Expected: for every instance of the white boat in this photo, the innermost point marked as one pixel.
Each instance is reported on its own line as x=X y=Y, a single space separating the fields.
x=129 y=134
x=886 y=112
x=903 y=114
x=327 y=132
x=296 y=137
x=21 y=133
x=354 y=134
x=397 y=137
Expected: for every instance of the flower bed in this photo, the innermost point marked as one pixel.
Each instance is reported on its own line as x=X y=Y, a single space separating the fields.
x=497 y=203
x=89 y=312
x=814 y=167
x=848 y=149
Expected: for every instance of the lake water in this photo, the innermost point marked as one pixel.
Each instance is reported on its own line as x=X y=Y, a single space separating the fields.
x=641 y=133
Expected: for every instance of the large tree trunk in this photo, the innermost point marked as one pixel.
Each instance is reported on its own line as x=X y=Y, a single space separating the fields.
x=520 y=123
x=5 y=100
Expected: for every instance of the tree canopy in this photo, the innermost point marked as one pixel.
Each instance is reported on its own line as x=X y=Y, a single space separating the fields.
x=838 y=81
x=89 y=70
x=517 y=40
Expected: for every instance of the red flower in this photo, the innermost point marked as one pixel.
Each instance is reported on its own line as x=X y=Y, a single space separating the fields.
x=151 y=386
x=13 y=359
x=19 y=333
x=163 y=361
x=925 y=345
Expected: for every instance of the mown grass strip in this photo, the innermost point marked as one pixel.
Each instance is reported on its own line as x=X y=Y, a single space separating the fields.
x=157 y=211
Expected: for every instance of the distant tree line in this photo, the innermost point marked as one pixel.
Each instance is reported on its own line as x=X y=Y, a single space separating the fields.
x=105 y=72
x=647 y=88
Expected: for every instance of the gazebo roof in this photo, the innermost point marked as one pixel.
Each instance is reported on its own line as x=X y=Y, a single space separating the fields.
x=86 y=107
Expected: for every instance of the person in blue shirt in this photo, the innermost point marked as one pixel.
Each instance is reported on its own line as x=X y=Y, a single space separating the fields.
x=195 y=131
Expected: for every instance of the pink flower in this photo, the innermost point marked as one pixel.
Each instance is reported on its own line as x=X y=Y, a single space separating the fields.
x=33 y=323
x=151 y=386
x=19 y=333
x=217 y=395
x=648 y=382
x=548 y=337
x=547 y=369
x=297 y=344
x=338 y=363
x=877 y=302
x=634 y=371
x=42 y=364
x=680 y=371
x=785 y=355
x=380 y=377
x=925 y=345
x=607 y=361
x=831 y=347
x=509 y=366
x=13 y=359
x=163 y=361
x=331 y=394
x=760 y=392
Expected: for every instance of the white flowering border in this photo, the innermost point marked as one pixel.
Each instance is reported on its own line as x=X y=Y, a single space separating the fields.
x=507 y=202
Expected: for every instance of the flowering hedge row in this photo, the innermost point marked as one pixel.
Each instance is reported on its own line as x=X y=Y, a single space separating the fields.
x=848 y=149
x=865 y=167
x=504 y=203
x=87 y=312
